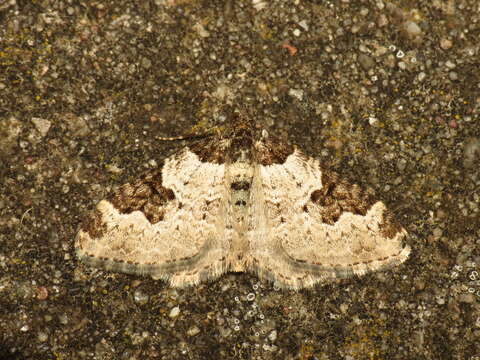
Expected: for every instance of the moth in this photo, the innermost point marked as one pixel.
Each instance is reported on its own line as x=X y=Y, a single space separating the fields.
x=241 y=200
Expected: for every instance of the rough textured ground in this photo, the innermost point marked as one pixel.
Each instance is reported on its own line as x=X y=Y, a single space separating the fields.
x=386 y=92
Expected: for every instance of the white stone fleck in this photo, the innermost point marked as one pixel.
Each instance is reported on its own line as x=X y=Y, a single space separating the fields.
x=42 y=125
x=174 y=312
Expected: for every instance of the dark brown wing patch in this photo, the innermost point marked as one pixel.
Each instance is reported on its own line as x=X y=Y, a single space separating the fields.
x=336 y=197
x=93 y=224
x=146 y=195
x=271 y=151
x=389 y=227
x=210 y=150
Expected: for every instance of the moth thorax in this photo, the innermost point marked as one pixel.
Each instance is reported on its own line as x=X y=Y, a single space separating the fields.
x=241 y=170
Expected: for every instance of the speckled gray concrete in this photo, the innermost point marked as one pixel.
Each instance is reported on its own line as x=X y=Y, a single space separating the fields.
x=386 y=93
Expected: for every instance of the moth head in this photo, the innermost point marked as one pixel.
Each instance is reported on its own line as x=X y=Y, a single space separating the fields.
x=239 y=128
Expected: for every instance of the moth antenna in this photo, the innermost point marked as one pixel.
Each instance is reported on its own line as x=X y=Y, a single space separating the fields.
x=193 y=136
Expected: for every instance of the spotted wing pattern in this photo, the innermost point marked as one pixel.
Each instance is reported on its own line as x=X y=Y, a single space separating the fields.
x=167 y=224
x=318 y=227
